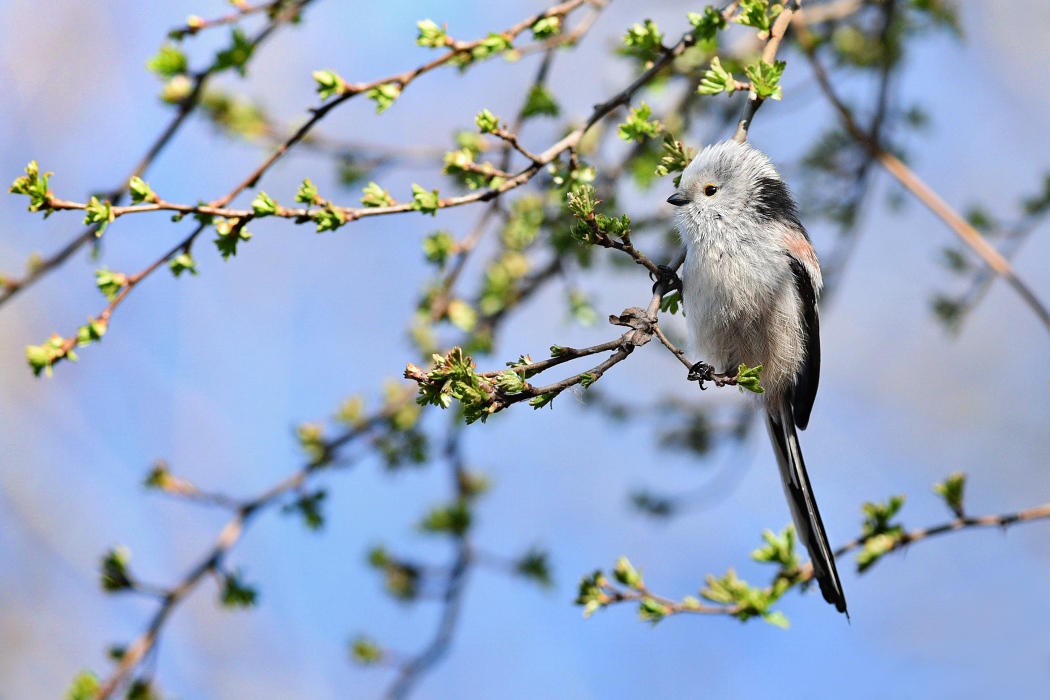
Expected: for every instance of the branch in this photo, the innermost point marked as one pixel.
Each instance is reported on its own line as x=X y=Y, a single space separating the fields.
x=962 y=228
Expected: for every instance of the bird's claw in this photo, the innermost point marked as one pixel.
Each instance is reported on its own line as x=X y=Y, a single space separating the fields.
x=667 y=280
x=701 y=372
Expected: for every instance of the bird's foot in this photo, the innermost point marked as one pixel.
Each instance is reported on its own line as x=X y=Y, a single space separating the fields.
x=701 y=372
x=667 y=280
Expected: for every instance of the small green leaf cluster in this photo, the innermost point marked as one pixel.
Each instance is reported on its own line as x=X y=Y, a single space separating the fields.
x=183 y=262
x=546 y=27
x=264 y=205
x=453 y=377
x=717 y=80
x=34 y=185
x=460 y=164
x=431 y=35
x=308 y=505
x=42 y=358
x=438 y=247
x=540 y=102
x=329 y=83
x=374 y=196
x=758 y=14
x=91 y=332
x=535 y=566
x=953 y=491
x=765 y=79
x=492 y=45
x=168 y=62
x=593 y=227
x=453 y=519
x=746 y=600
x=366 y=651
x=235 y=593
x=141 y=191
x=880 y=535
x=234 y=115
x=100 y=213
x=707 y=24
x=639 y=124
x=675 y=159
x=643 y=41
x=230 y=232
x=567 y=178
x=592 y=593
x=384 y=95
x=113 y=572
x=425 y=201
x=749 y=378
x=85 y=686
x=400 y=578
x=488 y=123
x=237 y=54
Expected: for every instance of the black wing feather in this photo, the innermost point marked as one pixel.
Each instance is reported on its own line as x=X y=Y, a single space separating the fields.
x=806 y=386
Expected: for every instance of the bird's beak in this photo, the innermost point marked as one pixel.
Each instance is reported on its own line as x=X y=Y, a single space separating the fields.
x=678 y=199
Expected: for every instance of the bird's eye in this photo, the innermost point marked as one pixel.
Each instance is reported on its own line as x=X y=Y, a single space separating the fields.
x=710 y=190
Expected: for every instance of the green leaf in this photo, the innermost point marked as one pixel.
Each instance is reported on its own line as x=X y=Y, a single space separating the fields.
x=540 y=102
x=643 y=41
x=85 y=686
x=625 y=573
x=307 y=193
x=706 y=25
x=546 y=27
x=42 y=358
x=676 y=157
x=777 y=619
x=671 y=302
x=717 y=80
x=487 y=122
x=329 y=218
x=453 y=519
x=639 y=125
x=235 y=592
x=535 y=566
x=779 y=549
x=34 y=185
x=430 y=34
x=542 y=400
x=758 y=14
x=384 y=95
x=365 y=651
x=114 y=574
x=231 y=232
x=438 y=246
x=308 y=505
x=328 y=83
x=462 y=315
x=183 y=262
x=91 y=332
x=168 y=62
x=237 y=54
x=110 y=283
x=652 y=610
x=140 y=191
x=490 y=46
x=765 y=78
x=100 y=213
x=427 y=202
x=264 y=205
x=376 y=196
x=591 y=593
x=952 y=490
x=750 y=378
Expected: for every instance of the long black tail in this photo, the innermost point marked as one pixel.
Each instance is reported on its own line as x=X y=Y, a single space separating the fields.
x=781 y=423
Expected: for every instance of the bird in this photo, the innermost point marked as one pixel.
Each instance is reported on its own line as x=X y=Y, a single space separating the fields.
x=750 y=286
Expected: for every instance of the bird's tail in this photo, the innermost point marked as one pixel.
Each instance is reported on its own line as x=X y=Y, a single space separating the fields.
x=781 y=423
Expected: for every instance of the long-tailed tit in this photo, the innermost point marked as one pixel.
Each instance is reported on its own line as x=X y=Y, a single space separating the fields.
x=750 y=286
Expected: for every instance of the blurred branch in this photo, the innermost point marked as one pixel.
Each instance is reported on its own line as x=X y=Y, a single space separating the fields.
x=962 y=228
x=246 y=511
x=10 y=287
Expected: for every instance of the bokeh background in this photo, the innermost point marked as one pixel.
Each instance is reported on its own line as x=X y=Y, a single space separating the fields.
x=213 y=372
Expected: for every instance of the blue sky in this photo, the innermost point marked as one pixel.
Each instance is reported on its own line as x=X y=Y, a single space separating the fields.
x=213 y=372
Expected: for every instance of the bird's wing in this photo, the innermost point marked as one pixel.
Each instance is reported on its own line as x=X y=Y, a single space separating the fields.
x=809 y=376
